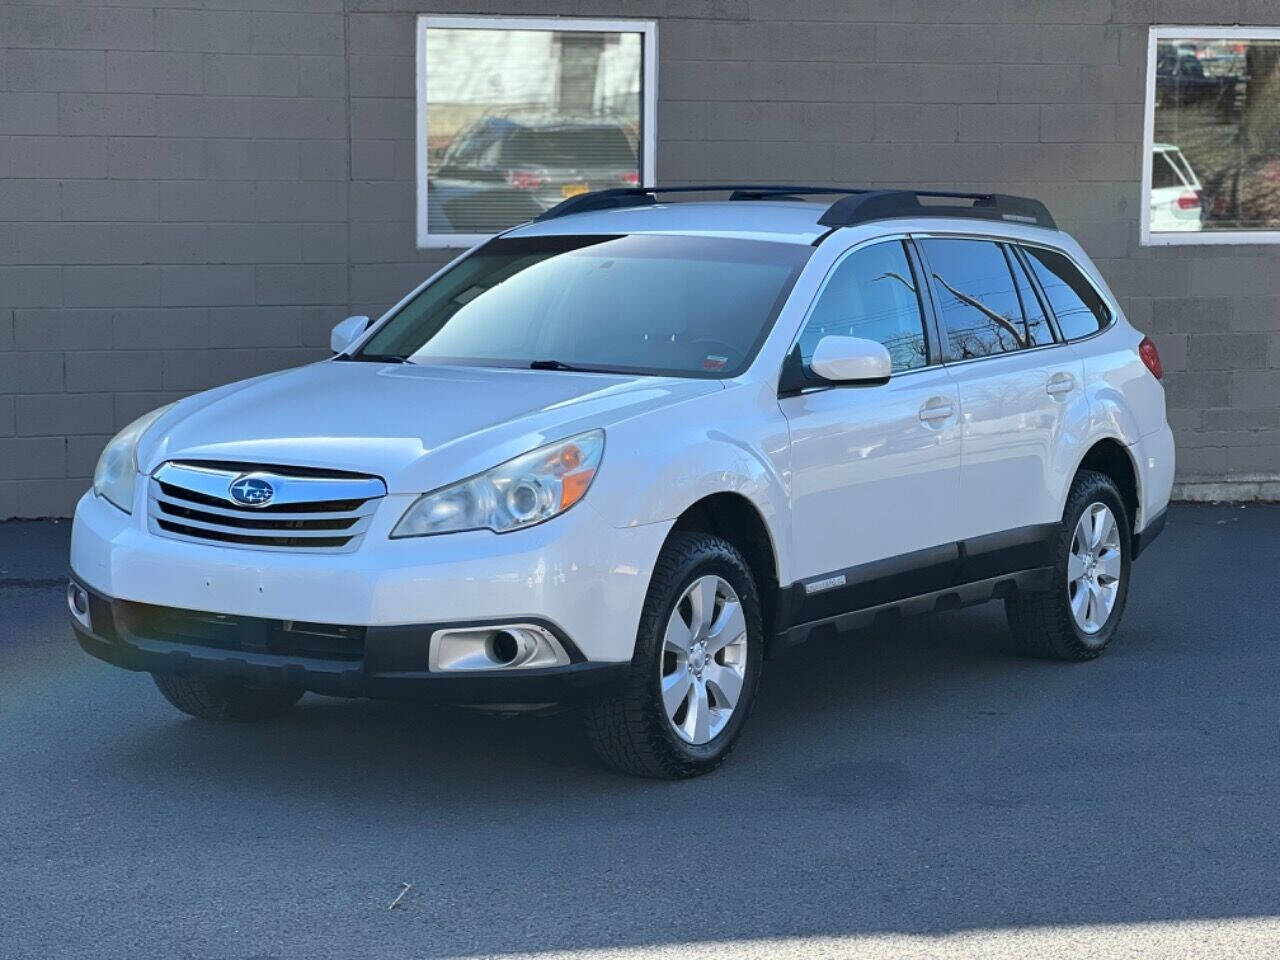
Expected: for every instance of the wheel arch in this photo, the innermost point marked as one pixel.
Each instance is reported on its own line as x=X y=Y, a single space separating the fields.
x=737 y=519
x=1111 y=457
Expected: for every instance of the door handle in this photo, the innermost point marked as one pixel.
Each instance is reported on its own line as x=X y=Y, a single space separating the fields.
x=1060 y=384
x=936 y=408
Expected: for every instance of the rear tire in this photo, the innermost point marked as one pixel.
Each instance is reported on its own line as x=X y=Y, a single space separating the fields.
x=1079 y=616
x=219 y=700
x=709 y=665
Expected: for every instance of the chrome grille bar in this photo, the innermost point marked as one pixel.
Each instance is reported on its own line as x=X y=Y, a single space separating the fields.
x=307 y=511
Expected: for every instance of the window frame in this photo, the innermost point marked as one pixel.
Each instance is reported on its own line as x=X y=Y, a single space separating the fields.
x=793 y=376
x=648 y=29
x=1169 y=238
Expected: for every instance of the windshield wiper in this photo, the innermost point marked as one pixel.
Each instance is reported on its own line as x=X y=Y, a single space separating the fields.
x=561 y=365
x=373 y=358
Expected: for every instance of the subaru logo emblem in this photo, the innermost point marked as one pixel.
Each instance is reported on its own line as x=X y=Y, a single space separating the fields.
x=250 y=491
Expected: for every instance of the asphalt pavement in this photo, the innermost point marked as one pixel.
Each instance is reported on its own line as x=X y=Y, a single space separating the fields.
x=907 y=792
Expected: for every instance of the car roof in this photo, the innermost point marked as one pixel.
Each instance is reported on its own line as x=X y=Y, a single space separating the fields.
x=780 y=221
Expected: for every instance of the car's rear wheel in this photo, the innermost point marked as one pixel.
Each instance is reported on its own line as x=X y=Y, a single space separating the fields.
x=696 y=666
x=219 y=700
x=1091 y=557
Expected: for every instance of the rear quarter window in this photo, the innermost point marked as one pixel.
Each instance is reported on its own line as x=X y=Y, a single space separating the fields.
x=1076 y=303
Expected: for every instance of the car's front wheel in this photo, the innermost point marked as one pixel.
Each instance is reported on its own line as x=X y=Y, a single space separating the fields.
x=219 y=700
x=1091 y=556
x=696 y=665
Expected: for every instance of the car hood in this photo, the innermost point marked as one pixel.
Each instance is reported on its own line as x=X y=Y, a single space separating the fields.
x=416 y=426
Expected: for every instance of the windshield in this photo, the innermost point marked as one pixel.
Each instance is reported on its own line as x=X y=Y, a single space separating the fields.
x=678 y=306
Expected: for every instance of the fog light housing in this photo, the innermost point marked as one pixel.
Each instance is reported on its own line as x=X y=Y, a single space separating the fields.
x=78 y=603
x=505 y=646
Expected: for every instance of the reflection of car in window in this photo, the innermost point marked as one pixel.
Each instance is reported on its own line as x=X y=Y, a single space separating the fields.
x=509 y=161
x=1181 y=80
x=1176 y=194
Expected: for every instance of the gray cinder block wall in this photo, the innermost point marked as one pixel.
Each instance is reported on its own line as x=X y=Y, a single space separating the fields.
x=191 y=196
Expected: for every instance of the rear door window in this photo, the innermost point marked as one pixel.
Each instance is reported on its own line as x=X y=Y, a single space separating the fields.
x=976 y=297
x=1075 y=301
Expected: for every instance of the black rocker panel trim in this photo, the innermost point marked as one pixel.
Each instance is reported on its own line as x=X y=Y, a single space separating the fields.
x=916 y=574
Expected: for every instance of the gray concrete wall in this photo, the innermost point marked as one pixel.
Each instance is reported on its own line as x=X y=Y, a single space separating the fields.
x=192 y=196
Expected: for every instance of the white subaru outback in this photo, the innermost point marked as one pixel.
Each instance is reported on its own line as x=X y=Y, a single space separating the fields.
x=624 y=454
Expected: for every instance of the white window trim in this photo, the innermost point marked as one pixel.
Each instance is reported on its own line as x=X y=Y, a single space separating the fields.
x=648 y=104
x=1170 y=238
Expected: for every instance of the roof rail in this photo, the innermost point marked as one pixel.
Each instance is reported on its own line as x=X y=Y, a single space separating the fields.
x=646 y=196
x=856 y=204
x=892 y=204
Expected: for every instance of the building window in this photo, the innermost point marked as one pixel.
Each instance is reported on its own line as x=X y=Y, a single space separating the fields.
x=516 y=115
x=1211 y=157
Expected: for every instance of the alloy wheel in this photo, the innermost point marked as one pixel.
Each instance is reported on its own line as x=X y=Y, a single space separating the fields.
x=1094 y=567
x=704 y=659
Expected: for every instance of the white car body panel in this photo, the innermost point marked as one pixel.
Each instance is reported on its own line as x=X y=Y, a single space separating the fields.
x=840 y=477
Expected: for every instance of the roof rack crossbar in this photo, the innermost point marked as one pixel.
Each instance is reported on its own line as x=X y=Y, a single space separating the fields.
x=856 y=204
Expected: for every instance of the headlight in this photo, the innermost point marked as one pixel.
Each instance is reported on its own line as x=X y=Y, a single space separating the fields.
x=117 y=469
x=519 y=493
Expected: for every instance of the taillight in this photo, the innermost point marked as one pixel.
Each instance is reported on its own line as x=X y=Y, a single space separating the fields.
x=525 y=179
x=630 y=177
x=1189 y=201
x=1151 y=357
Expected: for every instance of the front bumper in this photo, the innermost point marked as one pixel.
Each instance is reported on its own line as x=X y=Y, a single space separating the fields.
x=383 y=662
x=577 y=573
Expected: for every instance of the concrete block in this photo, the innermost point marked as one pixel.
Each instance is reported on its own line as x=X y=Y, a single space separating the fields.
x=253 y=159
x=108 y=371
x=53 y=70
x=7 y=425
x=381 y=119
x=1252 y=389
x=1256 y=314
x=32 y=458
x=1194 y=315
x=299 y=284
x=62 y=329
x=324 y=160
x=265 y=76
x=1198 y=389
x=196 y=286
x=923 y=123
x=61 y=415
x=251 y=117
x=113 y=200
x=27 y=113
x=1235 y=351
x=393 y=34
x=240 y=327
x=381 y=76
x=322 y=76
x=1077 y=122
x=254 y=242
x=383 y=200
x=83 y=453
x=52 y=157
x=28 y=26
x=156 y=158
x=1198 y=11
x=37 y=499
x=30 y=287
x=139 y=71
x=1040 y=83
x=113 y=286
x=107 y=114
x=999 y=123
x=27 y=200
x=1080 y=43
x=325 y=243
x=105 y=29
x=958 y=43
x=31 y=371
x=156 y=329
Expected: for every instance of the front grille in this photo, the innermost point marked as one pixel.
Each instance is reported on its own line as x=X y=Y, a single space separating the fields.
x=220 y=631
x=309 y=510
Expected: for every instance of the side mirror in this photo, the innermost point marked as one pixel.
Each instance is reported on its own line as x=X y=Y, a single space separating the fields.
x=345 y=333
x=851 y=361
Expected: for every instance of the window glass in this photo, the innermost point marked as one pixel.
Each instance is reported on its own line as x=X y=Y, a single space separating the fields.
x=1215 y=134
x=1163 y=173
x=976 y=298
x=1077 y=305
x=519 y=120
x=678 y=306
x=1035 y=325
x=873 y=294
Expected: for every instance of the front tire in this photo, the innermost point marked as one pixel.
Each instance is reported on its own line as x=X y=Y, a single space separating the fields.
x=219 y=700
x=1091 y=558
x=696 y=666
